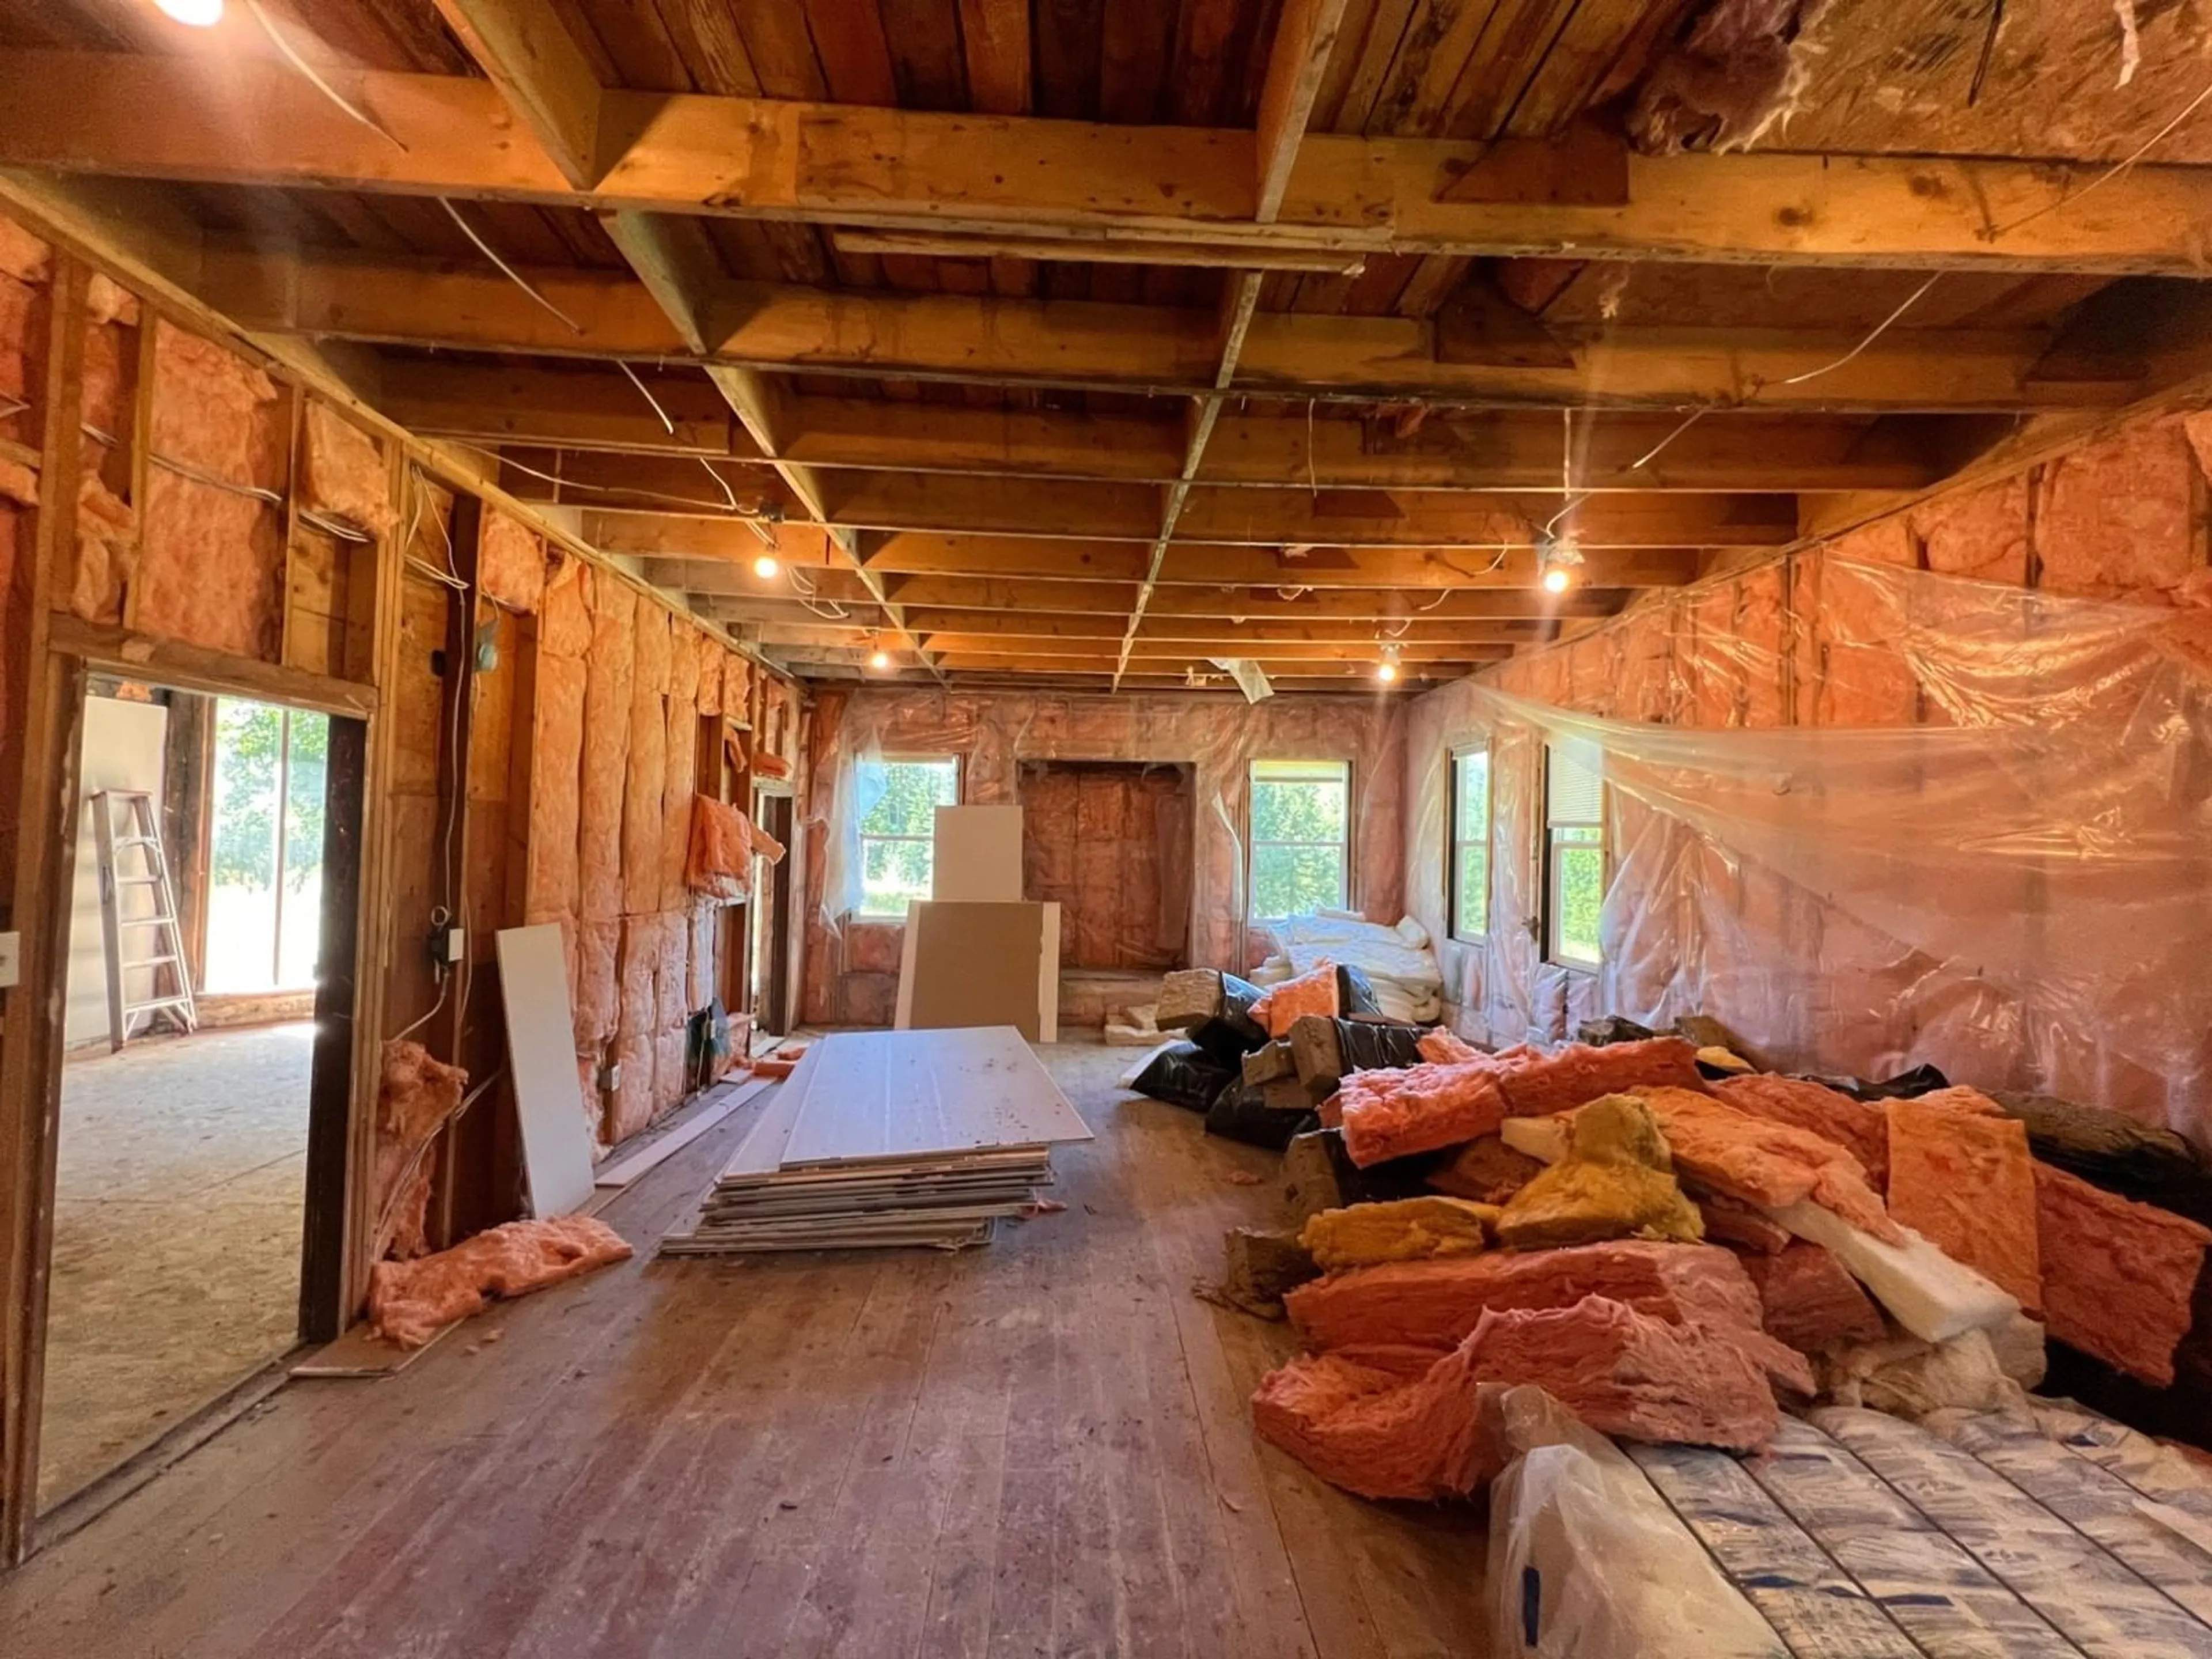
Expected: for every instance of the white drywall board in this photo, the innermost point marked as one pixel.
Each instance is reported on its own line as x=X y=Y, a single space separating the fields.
x=122 y=747
x=541 y=1056
x=904 y=1094
x=965 y=964
x=978 y=854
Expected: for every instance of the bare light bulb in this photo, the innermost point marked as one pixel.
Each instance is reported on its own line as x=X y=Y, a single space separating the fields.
x=198 y=14
x=765 y=567
x=1386 y=671
x=1556 y=580
x=879 y=659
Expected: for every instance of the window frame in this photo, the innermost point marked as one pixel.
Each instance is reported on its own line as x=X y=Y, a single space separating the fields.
x=1253 y=844
x=1549 y=844
x=861 y=837
x=1455 y=841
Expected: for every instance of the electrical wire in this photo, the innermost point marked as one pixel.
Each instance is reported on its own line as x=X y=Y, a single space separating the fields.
x=510 y=272
x=761 y=511
x=1880 y=329
x=2110 y=174
x=647 y=394
x=275 y=38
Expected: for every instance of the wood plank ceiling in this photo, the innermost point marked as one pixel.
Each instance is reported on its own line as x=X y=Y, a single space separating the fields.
x=1070 y=342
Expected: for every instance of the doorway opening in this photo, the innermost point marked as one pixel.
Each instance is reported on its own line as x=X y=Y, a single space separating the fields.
x=197 y=926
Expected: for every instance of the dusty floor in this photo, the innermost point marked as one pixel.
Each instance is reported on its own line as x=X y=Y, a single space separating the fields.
x=178 y=1205
x=1042 y=1447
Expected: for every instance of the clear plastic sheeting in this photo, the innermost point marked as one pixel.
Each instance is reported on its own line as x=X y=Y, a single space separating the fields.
x=851 y=962
x=2001 y=860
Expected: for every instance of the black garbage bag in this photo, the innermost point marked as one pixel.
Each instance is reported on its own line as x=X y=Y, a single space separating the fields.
x=1355 y=993
x=1613 y=1028
x=1183 y=1075
x=1240 y=1112
x=2135 y=1160
x=1922 y=1079
x=1233 y=1033
x=1366 y=1046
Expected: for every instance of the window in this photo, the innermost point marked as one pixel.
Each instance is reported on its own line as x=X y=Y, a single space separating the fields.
x=1301 y=837
x=897 y=801
x=1574 y=874
x=264 y=907
x=1470 y=849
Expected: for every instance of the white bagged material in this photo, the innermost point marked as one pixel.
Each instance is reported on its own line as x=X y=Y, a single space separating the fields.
x=1587 y=1561
x=1931 y=1295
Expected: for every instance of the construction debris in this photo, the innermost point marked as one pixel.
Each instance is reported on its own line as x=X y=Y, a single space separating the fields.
x=1857 y=1126
x=1404 y=1425
x=1325 y=1051
x=1486 y=1171
x=1769 y=1164
x=1811 y=1302
x=2117 y=1276
x=1964 y=1181
x=1615 y=1182
x=1258 y=1267
x=1404 y=1229
x=409 y=1302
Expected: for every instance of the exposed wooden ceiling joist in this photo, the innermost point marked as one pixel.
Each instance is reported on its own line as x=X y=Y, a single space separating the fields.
x=257 y=122
x=1090 y=345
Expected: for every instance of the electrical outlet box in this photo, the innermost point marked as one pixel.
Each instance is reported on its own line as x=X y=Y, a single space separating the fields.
x=457 y=944
x=611 y=1077
x=11 y=960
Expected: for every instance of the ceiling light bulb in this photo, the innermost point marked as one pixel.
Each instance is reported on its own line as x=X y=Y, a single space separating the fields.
x=199 y=14
x=1386 y=671
x=879 y=659
x=765 y=567
x=1556 y=580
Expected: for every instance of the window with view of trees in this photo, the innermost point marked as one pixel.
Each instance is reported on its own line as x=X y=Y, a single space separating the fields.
x=1470 y=850
x=265 y=848
x=1301 y=837
x=1574 y=876
x=897 y=802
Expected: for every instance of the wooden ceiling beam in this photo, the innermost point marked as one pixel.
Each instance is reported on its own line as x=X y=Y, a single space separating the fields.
x=583 y=408
x=1097 y=346
x=1266 y=653
x=1204 y=256
x=1356 y=668
x=239 y=121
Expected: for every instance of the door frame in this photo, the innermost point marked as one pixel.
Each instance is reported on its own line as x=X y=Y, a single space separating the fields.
x=340 y=1129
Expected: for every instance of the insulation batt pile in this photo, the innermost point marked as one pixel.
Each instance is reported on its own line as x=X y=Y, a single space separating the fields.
x=409 y=1302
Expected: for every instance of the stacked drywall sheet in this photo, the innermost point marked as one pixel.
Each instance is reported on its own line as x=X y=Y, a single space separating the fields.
x=890 y=1138
x=979 y=964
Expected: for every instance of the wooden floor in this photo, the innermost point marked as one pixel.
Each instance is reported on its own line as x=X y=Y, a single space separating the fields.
x=1039 y=1448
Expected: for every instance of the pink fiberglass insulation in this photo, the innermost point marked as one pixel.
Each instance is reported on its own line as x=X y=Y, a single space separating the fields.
x=416 y=1096
x=1374 y=1431
x=564 y=613
x=606 y=749
x=1628 y=1373
x=210 y=565
x=646 y=768
x=1280 y=1006
x=1966 y=1182
x=1811 y=1303
x=1730 y=1221
x=1857 y=1126
x=1417 y=1109
x=599 y=994
x=409 y=1302
x=1769 y=1164
x=342 y=471
x=106 y=551
x=1435 y=1305
x=1977 y=533
x=511 y=562
x=2117 y=1276
x=672 y=993
x=1536 y=1084
x=555 y=774
x=719 y=859
x=699 y=921
x=1443 y=1047
x=638 y=1020
x=26 y=279
x=2117 y=518
x=679 y=773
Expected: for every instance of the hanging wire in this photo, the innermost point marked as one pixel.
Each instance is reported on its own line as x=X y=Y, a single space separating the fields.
x=2111 y=172
x=511 y=274
x=645 y=392
x=276 y=38
x=1880 y=329
x=730 y=504
x=729 y=496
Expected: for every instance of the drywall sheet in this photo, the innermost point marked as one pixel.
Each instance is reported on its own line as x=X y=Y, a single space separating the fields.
x=981 y=964
x=556 y=1154
x=978 y=856
x=882 y=1095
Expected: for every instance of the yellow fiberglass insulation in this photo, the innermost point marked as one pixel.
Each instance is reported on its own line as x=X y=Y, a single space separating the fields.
x=1402 y=1230
x=1615 y=1182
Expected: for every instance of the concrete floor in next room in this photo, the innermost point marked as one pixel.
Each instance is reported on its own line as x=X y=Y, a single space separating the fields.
x=1040 y=1447
x=177 y=1204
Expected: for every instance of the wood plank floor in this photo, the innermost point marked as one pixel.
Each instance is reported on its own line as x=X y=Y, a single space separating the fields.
x=1039 y=1448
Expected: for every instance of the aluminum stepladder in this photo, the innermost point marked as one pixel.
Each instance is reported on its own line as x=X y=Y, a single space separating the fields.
x=139 y=834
